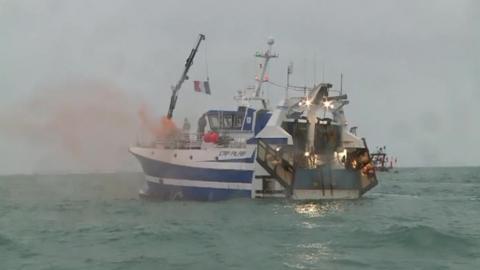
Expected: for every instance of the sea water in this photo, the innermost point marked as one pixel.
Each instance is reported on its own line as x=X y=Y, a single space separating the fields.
x=424 y=218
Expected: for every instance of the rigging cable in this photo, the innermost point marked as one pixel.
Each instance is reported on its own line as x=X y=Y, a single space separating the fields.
x=206 y=62
x=295 y=88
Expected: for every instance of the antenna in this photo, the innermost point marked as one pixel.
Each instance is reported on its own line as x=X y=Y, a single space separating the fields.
x=323 y=72
x=341 y=83
x=305 y=76
x=289 y=72
x=314 y=68
x=266 y=56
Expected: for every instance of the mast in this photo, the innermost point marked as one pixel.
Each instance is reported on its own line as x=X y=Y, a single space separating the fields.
x=176 y=88
x=341 y=83
x=289 y=72
x=261 y=79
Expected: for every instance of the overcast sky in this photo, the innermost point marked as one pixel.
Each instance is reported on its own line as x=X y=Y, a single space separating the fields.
x=411 y=71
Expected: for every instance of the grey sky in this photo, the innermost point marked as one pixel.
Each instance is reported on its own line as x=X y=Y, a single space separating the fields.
x=411 y=67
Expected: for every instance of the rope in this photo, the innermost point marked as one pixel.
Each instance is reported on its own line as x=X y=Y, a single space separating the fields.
x=206 y=61
x=295 y=88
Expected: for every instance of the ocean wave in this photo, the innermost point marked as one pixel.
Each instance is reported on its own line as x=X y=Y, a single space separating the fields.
x=310 y=255
x=9 y=247
x=420 y=238
x=319 y=209
x=5 y=241
x=294 y=265
x=399 y=195
x=135 y=262
x=352 y=263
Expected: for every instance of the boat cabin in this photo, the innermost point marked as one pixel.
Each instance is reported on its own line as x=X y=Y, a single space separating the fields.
x=244 y=119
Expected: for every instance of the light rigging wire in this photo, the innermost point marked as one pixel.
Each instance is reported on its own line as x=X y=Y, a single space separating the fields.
x=295 y=88
x=206 y=62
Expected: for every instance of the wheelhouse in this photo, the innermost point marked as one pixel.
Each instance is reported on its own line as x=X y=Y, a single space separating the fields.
x=244 y=119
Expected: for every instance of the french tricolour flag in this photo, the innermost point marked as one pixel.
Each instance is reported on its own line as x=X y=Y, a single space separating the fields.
x=200 y=86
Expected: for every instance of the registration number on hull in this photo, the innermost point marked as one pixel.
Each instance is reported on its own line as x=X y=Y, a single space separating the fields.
x=226 y=155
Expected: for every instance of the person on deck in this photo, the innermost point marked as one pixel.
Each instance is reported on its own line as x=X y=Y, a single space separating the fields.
x=186 y=126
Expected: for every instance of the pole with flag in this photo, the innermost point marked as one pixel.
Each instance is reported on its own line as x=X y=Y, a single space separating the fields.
x=202 y=87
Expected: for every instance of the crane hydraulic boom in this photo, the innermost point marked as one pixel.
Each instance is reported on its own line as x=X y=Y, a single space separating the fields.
x=176 y=88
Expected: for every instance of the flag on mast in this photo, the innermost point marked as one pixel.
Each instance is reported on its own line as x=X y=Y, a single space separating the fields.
x=202 y=87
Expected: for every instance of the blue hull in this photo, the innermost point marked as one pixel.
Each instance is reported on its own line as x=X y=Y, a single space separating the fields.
x=167 y=170
x=213 y=181
x=168 y=192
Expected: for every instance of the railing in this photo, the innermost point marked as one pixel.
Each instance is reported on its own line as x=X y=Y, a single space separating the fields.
x=193 y=141
x=181 y=141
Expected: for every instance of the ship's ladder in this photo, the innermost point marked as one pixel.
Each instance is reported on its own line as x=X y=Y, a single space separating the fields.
x=279 y=164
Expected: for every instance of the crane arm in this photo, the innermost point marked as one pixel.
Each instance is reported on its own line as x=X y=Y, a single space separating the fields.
x=176 y=88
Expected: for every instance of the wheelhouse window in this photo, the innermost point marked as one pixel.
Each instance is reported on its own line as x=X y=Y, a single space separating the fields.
x=238 y=121
x=227 y=121
x=214 y=121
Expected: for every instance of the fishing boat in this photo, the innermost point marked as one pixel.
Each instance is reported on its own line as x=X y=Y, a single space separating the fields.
x=381 y=161
x=300 y=149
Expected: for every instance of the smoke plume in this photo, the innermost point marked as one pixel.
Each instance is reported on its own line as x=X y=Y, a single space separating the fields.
x=160 y=128
x=74 y=126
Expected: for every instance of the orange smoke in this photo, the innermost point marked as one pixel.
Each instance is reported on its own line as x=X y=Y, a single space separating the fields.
x=161 y=128
x=79 y=126
x=73 y=126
